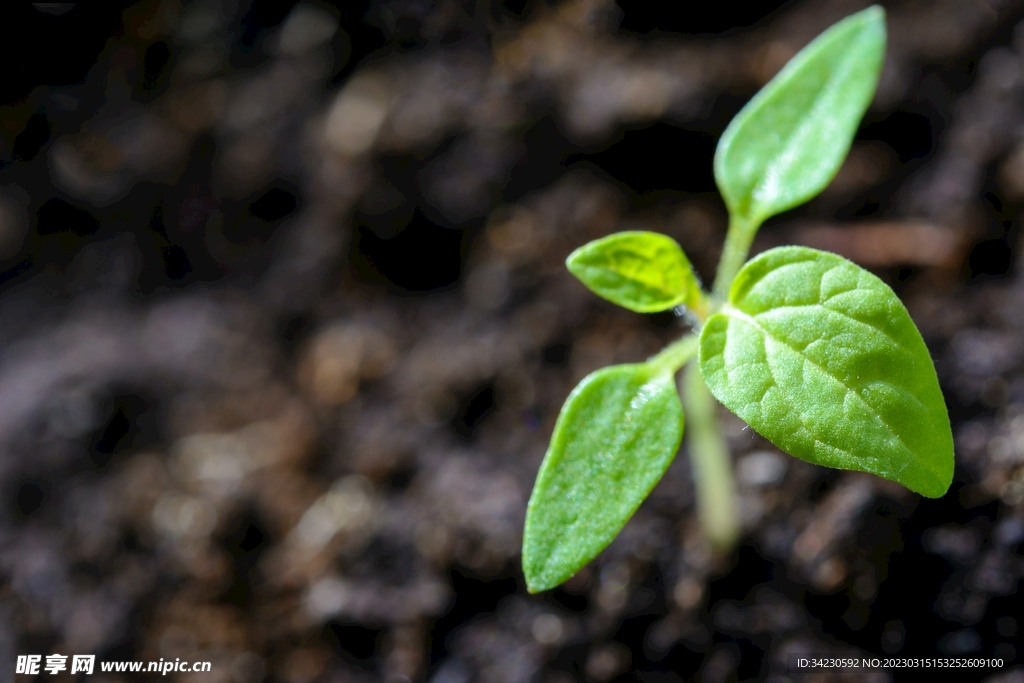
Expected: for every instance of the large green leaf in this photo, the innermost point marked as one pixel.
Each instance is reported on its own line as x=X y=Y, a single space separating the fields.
x=820 y=357
x=643 y=271
x=618 y=431
x=787 y=144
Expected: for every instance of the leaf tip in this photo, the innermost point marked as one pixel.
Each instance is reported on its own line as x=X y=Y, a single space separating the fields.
x=572 y=261
x=872 y=17
x=536 y=581
x=939 y=485
x=576 y=264
x=535 y=559
x=874 y=14
x=938 y=490
x=872 y=21
x=533 y=587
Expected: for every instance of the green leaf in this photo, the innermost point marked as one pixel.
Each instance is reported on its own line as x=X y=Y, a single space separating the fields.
x=618 y=431
x=821 y=358
x=643 y=271
x=787 y=144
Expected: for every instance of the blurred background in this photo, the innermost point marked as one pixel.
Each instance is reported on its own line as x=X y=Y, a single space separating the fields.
x=284 y=329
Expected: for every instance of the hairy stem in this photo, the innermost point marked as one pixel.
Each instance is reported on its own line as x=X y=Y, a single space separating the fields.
x=734 y=253
x=676 y=355
x=717 y=503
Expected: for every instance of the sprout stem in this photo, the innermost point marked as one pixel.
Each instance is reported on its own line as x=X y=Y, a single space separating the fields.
x=717 y=503
x=675 y=355
x=734 y=253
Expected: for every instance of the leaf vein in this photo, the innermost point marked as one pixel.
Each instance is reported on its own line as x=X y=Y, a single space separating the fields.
x=871 y=408
x=844 y=314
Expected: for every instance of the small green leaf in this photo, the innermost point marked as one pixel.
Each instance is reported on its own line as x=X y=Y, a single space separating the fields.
x=643 y=271
x=618 y=431
x=821 y=358
x=787 y=144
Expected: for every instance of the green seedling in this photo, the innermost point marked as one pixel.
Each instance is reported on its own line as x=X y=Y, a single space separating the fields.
x=816 y=354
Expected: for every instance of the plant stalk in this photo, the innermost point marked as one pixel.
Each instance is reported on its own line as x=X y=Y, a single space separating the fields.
x=675 y=355
x=717 y=502
x=734 y=253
